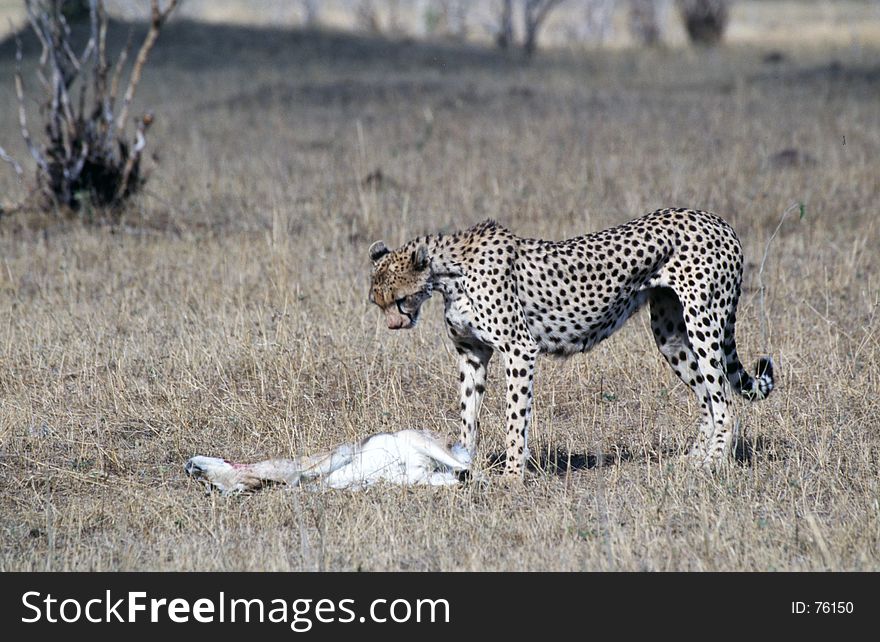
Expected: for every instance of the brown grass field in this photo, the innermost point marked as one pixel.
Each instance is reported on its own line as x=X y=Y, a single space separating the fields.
x=227 y=313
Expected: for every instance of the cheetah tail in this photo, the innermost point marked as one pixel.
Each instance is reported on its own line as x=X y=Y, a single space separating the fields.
x=758 y=387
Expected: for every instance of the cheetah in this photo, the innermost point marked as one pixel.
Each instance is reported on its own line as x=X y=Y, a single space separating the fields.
x=524 y=297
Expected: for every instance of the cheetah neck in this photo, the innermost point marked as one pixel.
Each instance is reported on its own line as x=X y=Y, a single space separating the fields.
x=445 y=253
x=452 y=255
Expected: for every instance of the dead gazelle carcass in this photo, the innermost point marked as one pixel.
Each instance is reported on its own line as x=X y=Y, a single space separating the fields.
x=407 y=457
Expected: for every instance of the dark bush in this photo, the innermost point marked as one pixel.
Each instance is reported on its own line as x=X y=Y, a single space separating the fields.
x=705 y=20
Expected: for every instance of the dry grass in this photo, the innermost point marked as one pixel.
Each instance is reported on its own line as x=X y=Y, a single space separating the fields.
x=228 y=316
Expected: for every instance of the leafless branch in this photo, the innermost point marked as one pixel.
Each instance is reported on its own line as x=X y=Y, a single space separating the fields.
x=135 y=155
x=504 y=36
x=117 y=71
x=99 y=31
x=38 y=30
x=540 y=8
x=65 y=44
x=9 y=159
x=157 y=18
x=93 y=24
x=22 y=113
x=73 y=173
x=535 y=12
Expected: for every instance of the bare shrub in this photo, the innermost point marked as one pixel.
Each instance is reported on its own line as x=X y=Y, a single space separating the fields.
x=705 y=20
x=643 y=23
x=504 y=34
x=87 y=155
x=535 y=12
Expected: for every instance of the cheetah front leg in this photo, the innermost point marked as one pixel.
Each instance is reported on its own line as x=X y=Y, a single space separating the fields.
x=519 y=370
x=472 y=362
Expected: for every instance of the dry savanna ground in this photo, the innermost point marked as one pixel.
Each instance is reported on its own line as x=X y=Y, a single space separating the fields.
x=227 y=313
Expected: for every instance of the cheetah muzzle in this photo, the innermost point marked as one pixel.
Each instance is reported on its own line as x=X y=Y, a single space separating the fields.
x=524 y=297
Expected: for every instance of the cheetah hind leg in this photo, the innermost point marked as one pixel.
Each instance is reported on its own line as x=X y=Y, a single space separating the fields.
x=670 y=334
x=704 y=324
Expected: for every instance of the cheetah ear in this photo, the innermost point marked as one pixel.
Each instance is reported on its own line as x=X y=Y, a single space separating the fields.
x=378 y=250
x=420 y=258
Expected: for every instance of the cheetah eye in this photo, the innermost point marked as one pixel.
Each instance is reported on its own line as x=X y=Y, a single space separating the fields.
x=400 y=303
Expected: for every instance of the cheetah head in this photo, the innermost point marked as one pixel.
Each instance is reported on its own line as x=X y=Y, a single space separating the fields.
x=400 y=283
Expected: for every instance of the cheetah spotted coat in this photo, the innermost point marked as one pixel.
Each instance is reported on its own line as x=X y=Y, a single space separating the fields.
x=524 y=297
